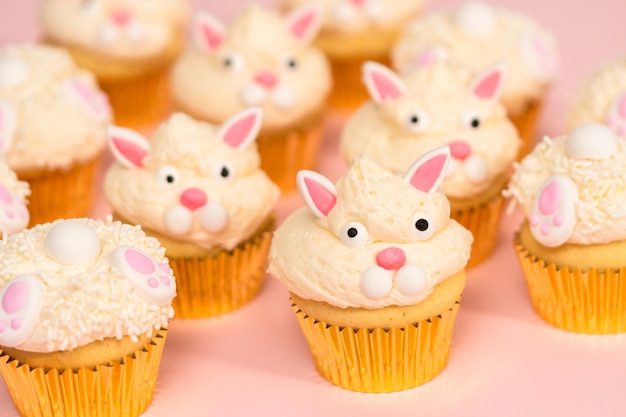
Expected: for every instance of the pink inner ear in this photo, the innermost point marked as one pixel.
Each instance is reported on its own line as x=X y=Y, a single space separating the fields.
x=238 y=132
x=426 y=58
x=213 y=38
x=386 y=88
x=488 y=85
x=301 y=25
x=427 y=175
x=323 y=199
x=131 y=151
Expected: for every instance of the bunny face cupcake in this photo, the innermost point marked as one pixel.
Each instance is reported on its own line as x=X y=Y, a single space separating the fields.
x=53 y=124
x=83 y=302
x=571 y=190
x=437 y=105
x=262 y=60
x=363 y=262
x=128 y=45
x=354 y=32
x=477 y=35
x=199 y=189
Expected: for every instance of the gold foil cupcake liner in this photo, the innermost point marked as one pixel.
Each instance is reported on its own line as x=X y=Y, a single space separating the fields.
x=141 y=100
x=59 y=193
x=121 y=388
x=212 y=285
x=379 y=359
x=283 y=154
x=526 y=125
x=592 y=301
x=483 y=221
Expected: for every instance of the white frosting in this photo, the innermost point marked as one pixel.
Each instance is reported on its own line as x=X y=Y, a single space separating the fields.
x=13 y=72
x=391 y=265
x=83 y=302
x=478 y=35
x=598 y=206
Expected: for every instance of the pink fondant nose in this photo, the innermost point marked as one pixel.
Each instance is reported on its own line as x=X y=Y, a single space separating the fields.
x=391 y=258
x=121 y=16
x=266 y=79
x=193 y=198
x=358 y=3
x=459 y=149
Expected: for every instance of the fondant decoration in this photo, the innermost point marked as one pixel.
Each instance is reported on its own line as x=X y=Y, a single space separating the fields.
x=553 y=213
x=208 y=31
x=8 y=125
x=13 y=213
x=21 y=302
x=382 y=83
x=128 y=147
x=488 y=84
x=153 y=281
x=13 y=72
x=72 y=243
x=305 y=22
x=475 y=19
x=616 y=118
x=591 y=141
x=538 y=56
x=428 y=57
x=390 y=267
x=93 y=101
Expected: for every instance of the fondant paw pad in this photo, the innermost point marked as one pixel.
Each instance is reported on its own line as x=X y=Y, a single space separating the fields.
x=21 y=302
x=553 y=212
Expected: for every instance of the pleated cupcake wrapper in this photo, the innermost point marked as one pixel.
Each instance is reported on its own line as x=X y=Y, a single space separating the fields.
x=349 y=92
x=526 y=124
x=283 y=154
x=591 y=302
x=118 y=389
x=379 y=360
x=214 y=285
x=59 y=193
x=483 y=221
x=139 y=101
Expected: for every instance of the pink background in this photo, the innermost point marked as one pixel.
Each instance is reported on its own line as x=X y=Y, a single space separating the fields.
x=505 y=361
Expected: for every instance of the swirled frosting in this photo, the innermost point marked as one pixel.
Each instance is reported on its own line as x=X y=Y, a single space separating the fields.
x=478 y=35
x=261 y=59
x=52 y=113
x=127 y=31
x=602 y=98
x=71 y=282
x=373 y=240
x=193 y=181
x=436 y=105
x=571 y=188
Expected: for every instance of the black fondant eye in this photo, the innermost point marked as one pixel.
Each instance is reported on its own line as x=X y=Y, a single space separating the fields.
x=423 y=226
x=167 y=175
x=223 y=171
x=232 y=61
x=471 y=120
x=353 y=234
x=417 y=121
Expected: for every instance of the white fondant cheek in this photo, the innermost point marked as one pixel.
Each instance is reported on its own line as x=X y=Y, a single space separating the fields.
x=150 y=280
x=283 y=97
x=453 y=166
x=411 y=280
x=553 y=211
x=591 y=141
x=21 y=302
x=376 y=282
x=136 y=31
x=475 y=169
x=108 y=34
x=178 y=220
x=214 y=217
x=476 y=19
x=72 y=243
x=252 y=95
x=13 y=72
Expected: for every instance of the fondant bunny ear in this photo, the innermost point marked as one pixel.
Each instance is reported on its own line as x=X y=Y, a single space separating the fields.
x=127 y=146
x=93 y=101
x=207 y=31
x=540 y=58
x=427 y=173
x=304 y=22
x=382 y=83
x=241 y=129
x=317 y=191
x=428 y=57
x=488 y=84
x=8 y=124
x=616 y=118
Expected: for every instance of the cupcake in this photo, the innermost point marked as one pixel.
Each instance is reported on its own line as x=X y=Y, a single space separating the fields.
x=478 y=35
x=14 y=215
x=374 y=263
x=198 y=188
x=128 y=45
x=602 y=98
x=53 y=121
x=262 y=60
x=436 y=105
x=572 y=191
x=84 y=308
x=355 y=31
